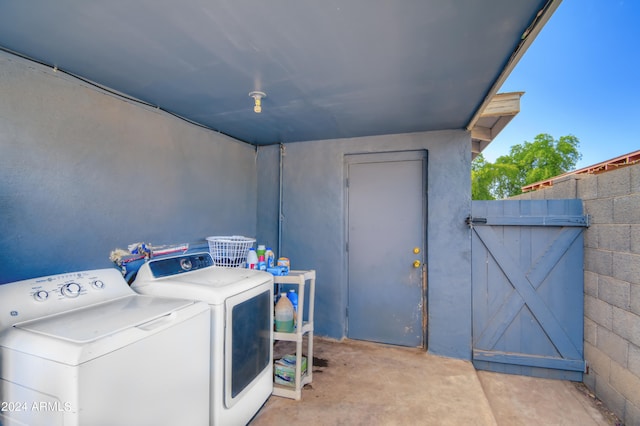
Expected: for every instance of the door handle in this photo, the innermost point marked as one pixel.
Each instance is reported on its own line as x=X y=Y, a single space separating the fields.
x=158 y=322
x=416 y=264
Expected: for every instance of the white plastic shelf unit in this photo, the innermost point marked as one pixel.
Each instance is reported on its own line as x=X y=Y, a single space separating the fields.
x=303 y=327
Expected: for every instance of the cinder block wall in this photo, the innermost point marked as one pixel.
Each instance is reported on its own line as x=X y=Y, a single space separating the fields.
x=612 y=283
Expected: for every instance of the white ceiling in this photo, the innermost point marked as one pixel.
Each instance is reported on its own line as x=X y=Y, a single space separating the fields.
x=330 y=68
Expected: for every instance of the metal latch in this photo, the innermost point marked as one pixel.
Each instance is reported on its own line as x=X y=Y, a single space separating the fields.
x=470 y=220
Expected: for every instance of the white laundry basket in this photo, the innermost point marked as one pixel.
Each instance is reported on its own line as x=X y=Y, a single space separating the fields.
x=230 y=251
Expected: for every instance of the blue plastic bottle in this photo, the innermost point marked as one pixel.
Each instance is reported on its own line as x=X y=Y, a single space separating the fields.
x=293 y=297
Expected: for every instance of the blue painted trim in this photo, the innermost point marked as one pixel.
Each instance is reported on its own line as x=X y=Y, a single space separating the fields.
x=525 y=370
x=564 y=220
x=530 y=360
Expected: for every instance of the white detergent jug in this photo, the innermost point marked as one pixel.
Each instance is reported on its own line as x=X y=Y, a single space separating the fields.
x=252 y=259
x=284 y=314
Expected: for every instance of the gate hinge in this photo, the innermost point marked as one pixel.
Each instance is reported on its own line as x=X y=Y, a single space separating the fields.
x=470 y=220
x=545 y=220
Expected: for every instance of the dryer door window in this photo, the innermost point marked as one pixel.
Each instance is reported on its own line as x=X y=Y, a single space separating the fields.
x=249 y=339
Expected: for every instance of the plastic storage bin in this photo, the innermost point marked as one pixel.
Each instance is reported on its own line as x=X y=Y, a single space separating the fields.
x=230 y=251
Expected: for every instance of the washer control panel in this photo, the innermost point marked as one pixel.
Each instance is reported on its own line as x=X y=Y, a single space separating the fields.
x=65 y=286
x=36 y=297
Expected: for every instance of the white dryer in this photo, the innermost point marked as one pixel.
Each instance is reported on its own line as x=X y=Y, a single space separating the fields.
x=241 y=302
x=84 y=349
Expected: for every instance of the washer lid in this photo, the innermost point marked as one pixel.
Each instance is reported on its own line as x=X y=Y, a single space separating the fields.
x=105 y=319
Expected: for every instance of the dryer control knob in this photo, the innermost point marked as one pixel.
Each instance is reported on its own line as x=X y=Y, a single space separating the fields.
x=98 y=284
x=41 y=295
x=186 y=264
x=71 y=289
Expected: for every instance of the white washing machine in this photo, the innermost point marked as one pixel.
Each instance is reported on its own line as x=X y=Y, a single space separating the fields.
x=84 y=349
x=241 y=302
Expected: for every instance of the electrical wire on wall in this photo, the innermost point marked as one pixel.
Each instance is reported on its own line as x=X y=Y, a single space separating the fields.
x=280 y=193
x=116 y=94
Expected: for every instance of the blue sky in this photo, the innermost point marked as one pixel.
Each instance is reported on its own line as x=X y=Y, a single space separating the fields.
x=581 y=76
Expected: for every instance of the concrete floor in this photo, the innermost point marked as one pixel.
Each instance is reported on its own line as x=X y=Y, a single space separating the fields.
x=362 y=383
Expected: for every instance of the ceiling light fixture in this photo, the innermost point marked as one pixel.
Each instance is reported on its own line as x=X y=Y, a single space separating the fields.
x=257 y=108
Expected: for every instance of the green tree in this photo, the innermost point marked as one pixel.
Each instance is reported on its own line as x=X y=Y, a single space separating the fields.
x=526 y=163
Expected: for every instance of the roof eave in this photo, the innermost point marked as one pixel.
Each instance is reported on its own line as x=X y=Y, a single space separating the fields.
x=541 y=18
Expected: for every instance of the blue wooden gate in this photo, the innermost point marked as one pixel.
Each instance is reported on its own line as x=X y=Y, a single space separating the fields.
x=527 y=287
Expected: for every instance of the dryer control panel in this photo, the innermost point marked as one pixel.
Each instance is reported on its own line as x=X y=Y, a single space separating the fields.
x=37 y=297
x=180 y=264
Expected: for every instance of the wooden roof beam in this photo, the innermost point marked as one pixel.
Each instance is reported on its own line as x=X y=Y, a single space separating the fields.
x=498 y=113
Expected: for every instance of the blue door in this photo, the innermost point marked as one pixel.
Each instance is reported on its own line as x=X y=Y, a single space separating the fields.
x=386 y=211
x=527 y=287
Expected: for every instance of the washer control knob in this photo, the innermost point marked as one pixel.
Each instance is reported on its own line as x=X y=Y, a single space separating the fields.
x=186 y=264
x=41 y=295
x=98 y=284
x=71 y=289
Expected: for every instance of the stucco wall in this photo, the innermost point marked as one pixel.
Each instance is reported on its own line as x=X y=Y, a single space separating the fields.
x=83 y=172
x=612 y=283
x=314 y=221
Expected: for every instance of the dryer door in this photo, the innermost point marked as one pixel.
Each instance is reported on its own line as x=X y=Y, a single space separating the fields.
x=248 y=341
